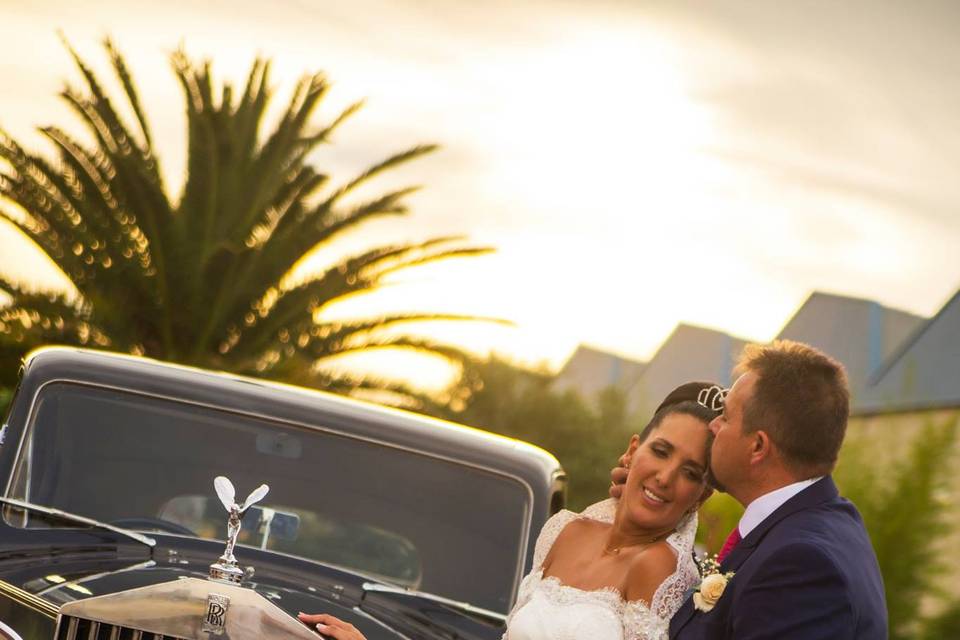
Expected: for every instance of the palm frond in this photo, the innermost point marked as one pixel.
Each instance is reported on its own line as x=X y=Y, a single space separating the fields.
x=197 y=209
x=252 y=207
x=33 y=320
x=128 y=157
x=384 y=165
x=36 y=188
x=123 y=74
x=321 y=339
x=251 y=108
x=280 y=150
x=414 y=343
x=87 y=172
x=291 y=239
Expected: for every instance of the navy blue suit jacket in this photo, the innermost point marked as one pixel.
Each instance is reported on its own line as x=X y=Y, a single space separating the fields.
x=808 y=571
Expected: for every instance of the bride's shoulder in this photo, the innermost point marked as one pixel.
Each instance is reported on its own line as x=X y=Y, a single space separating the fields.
x=579 y=527
x=564 y=529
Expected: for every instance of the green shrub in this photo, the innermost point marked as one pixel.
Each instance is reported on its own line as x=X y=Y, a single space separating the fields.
x=587 y=438
x=905 y=510
x=718 y=516
x=946 y=624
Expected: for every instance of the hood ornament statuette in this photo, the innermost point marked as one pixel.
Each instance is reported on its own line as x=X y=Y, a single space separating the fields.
x=225 y=569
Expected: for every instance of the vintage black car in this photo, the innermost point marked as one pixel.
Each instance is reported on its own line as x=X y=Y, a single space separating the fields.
x=407 y=527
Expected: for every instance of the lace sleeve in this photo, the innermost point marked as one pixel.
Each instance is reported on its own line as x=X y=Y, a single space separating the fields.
x=652 y=622
x=548 y=535
x=673 y=591
x=603 y=511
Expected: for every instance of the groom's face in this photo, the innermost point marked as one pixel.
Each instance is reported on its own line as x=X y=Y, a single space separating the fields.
x=730 y=453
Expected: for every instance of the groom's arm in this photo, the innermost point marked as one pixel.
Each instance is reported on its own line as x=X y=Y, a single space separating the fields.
x=798 y=593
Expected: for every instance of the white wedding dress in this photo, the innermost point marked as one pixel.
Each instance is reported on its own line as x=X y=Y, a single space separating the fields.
x=546 y=609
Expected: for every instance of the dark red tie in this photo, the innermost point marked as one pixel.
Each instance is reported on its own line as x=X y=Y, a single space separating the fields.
x=732 y=541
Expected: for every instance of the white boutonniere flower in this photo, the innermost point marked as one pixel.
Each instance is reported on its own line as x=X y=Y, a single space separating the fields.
x=711 y=587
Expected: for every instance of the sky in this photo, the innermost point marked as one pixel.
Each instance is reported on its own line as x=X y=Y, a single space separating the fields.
x=635 y=164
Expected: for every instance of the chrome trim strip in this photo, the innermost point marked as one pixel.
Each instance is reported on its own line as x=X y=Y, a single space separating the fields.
x=463 y=606
x=7 y=632
x=29 y=506
x=527 y=521
x=148 y=564
x=26 y=489
x=28 y=599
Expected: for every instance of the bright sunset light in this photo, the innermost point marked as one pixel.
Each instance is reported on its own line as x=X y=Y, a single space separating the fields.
x=634 y=166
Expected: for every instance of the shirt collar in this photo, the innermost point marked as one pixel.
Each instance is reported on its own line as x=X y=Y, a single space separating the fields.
x=758 y=510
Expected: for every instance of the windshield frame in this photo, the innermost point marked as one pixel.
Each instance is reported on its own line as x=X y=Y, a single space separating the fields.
x=528 y=492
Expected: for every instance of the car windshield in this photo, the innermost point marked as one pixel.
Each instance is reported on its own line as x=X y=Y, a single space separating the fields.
x=406 y=518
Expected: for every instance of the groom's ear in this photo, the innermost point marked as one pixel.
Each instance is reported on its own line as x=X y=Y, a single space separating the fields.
x=761 y=447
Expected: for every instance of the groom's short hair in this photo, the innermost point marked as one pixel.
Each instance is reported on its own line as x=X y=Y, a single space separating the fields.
x=801 y=399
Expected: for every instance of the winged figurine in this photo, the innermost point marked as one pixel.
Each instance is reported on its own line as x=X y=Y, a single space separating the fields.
x=227 y=494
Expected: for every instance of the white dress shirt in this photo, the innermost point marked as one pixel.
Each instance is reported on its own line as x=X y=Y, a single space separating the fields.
x=758 y=510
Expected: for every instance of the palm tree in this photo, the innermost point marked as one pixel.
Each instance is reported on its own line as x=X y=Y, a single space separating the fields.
x=204 y=280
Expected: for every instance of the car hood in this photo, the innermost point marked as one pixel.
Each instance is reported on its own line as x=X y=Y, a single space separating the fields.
x=64 y=574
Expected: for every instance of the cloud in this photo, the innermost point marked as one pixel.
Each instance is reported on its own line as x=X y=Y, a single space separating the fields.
x=856 y=96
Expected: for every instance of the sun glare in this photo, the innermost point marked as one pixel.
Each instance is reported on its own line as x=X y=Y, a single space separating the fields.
x=600 y=133
x=601 y=123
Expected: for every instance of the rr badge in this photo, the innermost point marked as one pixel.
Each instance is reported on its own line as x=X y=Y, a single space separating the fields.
x=215 y=619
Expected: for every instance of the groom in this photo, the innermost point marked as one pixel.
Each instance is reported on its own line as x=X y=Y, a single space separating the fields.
x=801 y=558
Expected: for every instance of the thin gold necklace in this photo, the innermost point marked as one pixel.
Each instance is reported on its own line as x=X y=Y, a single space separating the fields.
x=642 y=545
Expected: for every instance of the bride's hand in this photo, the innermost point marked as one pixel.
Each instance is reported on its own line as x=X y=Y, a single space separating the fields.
x=331 y=627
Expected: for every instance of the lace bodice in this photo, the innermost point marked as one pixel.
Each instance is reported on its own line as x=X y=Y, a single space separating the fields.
x=546 y=609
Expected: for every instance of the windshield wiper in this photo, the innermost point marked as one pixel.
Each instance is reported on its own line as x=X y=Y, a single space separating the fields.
x=73 y=517
x=466 y=607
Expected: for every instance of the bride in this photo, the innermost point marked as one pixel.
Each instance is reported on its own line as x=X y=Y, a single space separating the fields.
x=620 y=569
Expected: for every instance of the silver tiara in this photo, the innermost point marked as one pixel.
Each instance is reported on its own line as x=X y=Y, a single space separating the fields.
x=712 y=397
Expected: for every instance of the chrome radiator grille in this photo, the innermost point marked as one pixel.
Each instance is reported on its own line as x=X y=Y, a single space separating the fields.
x=179 y=610
x=72 y=628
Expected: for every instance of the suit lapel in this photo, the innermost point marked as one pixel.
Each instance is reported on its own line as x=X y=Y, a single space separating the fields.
x=824 y=490
x=683 y=615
